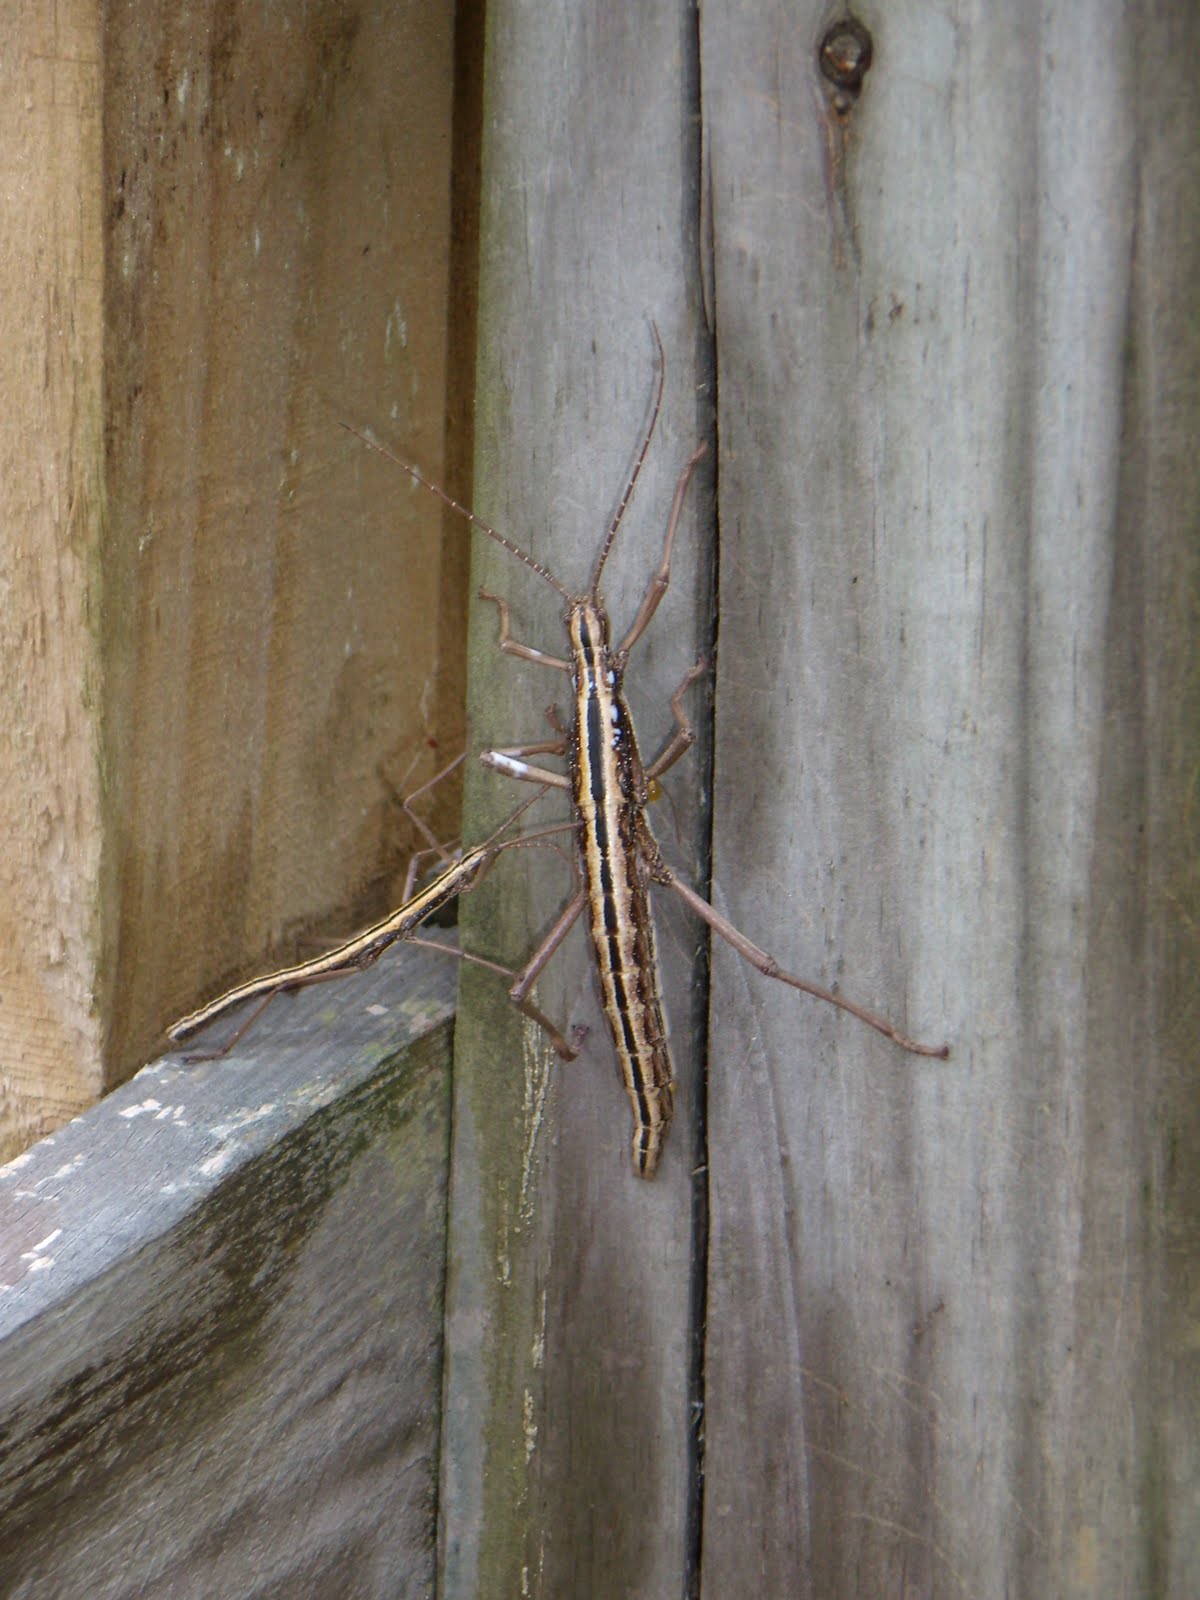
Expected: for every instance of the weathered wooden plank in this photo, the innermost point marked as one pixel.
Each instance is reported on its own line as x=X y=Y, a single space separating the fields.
x=51 y=498
x=230 y=227
x=220 y=1313
x=279 y=621
x=567 y=1459
x=956 y=727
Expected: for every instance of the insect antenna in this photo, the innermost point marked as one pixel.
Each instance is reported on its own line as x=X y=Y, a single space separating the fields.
x=593 y=591
x=477 y=522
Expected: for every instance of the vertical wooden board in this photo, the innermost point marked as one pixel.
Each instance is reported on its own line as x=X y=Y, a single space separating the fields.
x=221 y=1311
x=282 y=630
x=956 y=725
x=567 y=1450
x=51 y=512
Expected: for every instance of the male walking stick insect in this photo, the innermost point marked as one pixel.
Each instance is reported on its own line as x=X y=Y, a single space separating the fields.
x=458 y=876
x=619 y=857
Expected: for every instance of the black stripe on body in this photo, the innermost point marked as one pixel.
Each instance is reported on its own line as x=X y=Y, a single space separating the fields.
x=609 y=791
x=356 y=953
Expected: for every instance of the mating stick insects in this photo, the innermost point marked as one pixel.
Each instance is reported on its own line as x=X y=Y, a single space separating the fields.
x=609 y=786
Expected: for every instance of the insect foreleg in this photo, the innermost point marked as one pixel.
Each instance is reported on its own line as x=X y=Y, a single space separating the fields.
x=660 y=582
x=510 y=763
x=511 y=647
x=434 y=846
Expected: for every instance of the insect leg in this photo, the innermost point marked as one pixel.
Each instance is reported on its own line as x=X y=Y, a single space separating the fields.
x=527 y=1008
x=434 y=846
x=252 y=1016
x=685 y=735
x=529 y=973
x=524 y=980
x=510 y=646
x=509 y=762
x=770 y=968
x=660 y=582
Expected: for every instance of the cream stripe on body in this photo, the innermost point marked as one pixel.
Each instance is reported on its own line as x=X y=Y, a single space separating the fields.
x=609 y=794
x=357 y=953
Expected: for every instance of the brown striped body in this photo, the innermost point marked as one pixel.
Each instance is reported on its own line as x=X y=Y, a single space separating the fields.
x=357 y=953
x=610 y=792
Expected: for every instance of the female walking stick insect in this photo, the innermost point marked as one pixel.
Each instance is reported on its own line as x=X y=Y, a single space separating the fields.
x=618 y=855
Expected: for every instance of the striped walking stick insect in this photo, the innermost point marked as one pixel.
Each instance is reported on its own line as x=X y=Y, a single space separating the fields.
x=458 y=876
x=619 y=858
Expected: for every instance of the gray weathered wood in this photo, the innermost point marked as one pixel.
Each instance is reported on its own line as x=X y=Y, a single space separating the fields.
x=956 y=729
x=566 y=1459
x=220 y=1313
x=956 y=734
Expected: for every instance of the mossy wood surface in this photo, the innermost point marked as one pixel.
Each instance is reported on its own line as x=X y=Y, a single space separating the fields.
x=221 y=1313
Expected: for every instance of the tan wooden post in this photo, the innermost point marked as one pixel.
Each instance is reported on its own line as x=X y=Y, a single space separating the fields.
x=227 y=629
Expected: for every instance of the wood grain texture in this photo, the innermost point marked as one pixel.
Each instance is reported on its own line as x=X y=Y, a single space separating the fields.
x=281 y=638
x=220 y=1313
x=51 y=516
x=956 y=728
x=226 y=626
x=567 y=1454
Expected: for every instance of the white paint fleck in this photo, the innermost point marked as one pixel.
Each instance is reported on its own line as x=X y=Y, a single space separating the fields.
x=396 y=328
x=42 y=1244
x=136 y=1111
x=528 y=1425
x=377 y=1011
x=244 y=1119
x=183 y=87
x=537 y=1071
x=538 y=1352
x=218 y=1161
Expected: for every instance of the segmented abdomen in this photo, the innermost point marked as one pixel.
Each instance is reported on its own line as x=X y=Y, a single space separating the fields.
x=607 y=776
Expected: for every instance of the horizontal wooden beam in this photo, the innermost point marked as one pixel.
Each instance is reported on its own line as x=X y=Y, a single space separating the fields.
x=221 y=1309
